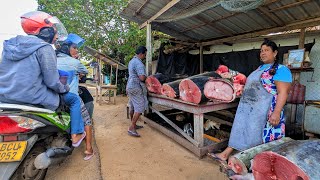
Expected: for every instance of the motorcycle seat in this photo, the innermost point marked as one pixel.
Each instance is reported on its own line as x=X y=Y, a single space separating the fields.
x=27 y=108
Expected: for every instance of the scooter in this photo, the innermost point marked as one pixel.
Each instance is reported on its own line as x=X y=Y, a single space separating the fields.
x=32 y=139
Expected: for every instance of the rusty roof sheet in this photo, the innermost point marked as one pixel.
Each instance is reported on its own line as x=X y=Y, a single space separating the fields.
x=217 y=22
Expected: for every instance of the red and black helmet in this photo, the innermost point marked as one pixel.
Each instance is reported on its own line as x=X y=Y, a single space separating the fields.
x=33 y=22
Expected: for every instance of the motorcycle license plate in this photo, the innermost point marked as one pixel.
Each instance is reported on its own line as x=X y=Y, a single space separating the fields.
x=12 y=151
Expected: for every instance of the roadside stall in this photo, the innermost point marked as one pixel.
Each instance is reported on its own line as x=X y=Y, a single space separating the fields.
x=207 y=33
x=105 y=92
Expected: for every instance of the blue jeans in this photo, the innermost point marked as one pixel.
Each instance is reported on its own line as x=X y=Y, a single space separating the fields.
x=73 y=101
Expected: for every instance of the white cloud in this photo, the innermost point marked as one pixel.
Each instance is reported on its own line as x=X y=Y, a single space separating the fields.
x=10 y=12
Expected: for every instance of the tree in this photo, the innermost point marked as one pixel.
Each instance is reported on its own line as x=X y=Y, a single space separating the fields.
x=99 y=22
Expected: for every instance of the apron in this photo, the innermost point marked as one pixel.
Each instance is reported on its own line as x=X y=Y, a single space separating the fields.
x=270 y=132
x=251 y=115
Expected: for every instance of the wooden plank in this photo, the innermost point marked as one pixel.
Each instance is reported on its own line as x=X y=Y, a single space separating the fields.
x=149 y=50
x=193 y=141
x=302 y=38
x=270 y=16
x=184 y=142
x=190 y=107
x=159 y=13
x=198 y=129
x=218 y=120
x=137 y=12
x=201 y=59
x=198 y=151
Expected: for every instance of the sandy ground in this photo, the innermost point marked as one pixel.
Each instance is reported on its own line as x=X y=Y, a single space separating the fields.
x=153 y=156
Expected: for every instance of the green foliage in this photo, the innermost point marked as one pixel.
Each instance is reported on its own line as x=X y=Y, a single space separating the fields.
x=99 y=22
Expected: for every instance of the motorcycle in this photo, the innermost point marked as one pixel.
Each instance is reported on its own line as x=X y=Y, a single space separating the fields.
x=32 y=139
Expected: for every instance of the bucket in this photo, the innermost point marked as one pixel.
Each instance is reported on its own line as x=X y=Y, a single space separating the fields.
x=106 y=80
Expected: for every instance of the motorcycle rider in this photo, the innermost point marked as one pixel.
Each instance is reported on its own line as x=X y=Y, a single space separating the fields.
x=67 y=51
x=28 y=71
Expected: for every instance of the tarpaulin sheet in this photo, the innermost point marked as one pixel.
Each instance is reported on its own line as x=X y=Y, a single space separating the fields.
x=242 y=61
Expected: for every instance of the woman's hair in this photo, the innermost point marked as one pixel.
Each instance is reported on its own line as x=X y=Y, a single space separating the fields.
x=141 y=49
x=274 y=47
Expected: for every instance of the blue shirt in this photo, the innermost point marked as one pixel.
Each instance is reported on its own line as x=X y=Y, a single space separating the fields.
x=74 y=67
x=136 y=69
x=283 y=73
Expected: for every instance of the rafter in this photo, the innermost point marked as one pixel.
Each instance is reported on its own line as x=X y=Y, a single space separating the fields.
x=159 y=13
x=209 y=22
x=141 y=7
x=289 y=5
x=271 y=17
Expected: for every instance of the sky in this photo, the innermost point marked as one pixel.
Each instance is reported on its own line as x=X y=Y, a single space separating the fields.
x=10 y=12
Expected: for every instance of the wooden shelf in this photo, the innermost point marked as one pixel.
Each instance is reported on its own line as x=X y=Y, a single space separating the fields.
x=302 y=69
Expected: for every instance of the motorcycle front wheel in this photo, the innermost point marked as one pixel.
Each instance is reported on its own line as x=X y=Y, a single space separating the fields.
x=27 y=170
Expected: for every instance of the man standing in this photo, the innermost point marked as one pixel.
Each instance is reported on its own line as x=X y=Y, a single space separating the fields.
x=136 y=89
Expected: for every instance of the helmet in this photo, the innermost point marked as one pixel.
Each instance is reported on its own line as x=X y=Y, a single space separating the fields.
x=75 y=40
x=33 y=22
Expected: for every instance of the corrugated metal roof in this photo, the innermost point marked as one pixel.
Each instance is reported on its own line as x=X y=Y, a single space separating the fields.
x=217 y=22
x=106 y=59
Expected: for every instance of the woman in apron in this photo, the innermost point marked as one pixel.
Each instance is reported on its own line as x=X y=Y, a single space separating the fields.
x=259 y=117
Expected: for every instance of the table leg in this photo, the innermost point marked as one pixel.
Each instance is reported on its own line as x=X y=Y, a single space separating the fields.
x=198 y=128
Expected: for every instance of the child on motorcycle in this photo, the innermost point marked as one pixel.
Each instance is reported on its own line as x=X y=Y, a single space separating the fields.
x=29 y=74
x=66 y=51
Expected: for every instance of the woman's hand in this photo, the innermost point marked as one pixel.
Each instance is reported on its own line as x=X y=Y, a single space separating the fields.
x=274 y=119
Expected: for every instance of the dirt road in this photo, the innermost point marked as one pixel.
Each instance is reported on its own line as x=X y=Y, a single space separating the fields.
x=153 y=156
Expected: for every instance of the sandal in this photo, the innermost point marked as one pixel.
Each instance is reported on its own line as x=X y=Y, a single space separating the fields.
x=133 y=133
x=215 y=157
x=138 y=127
x=77 y=144
x=88 y=155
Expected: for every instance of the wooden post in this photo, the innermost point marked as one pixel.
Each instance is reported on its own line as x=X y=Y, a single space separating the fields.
x=302 y=38
x=201 y=59
x=117 y=75
x=149 y=50
x=198 y=128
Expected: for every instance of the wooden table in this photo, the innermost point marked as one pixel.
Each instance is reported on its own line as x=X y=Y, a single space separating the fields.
x=195 y=144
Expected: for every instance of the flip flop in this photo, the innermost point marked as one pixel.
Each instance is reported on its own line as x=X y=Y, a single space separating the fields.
x=215 y=157
x=77 y=144
x=138 y=127
x=132 y=133
x=88 y=155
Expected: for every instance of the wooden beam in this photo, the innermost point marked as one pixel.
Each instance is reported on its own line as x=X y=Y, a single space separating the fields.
x=279 y=36
x=289 y=5
x=302 y=38
x=216 y=26
x=209 y=22
x=295 y=25
x=140 y=8
x=174 y=33
x=270 y=16
x=149 y=51
x=201 y=59
x=163 y=10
